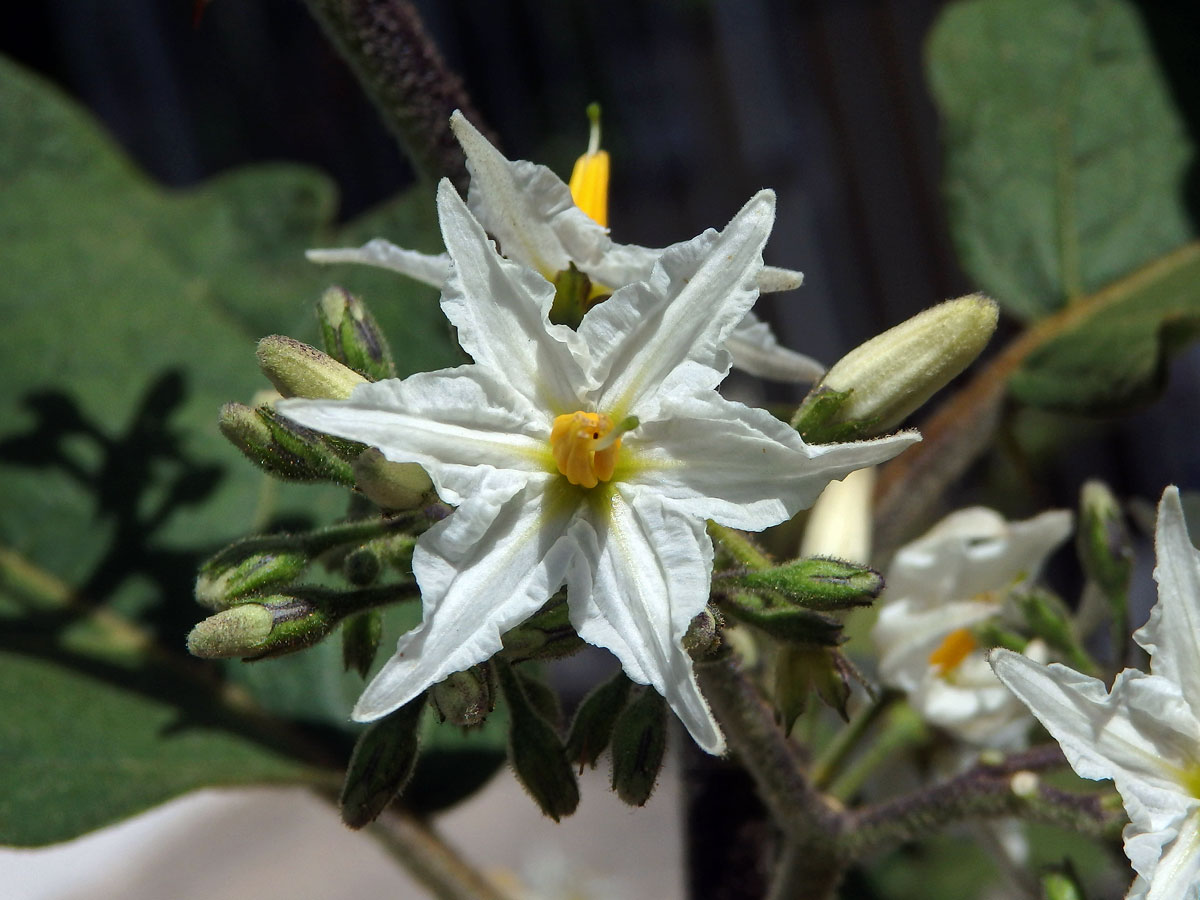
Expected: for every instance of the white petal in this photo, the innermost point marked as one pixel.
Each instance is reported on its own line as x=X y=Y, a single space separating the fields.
x=907 y=632
x=645 y=578
x=974 y=551
x=717 y=459
x=500 y=309
x=621 y=264
x=482 y=571
x=1177 y=872
x=525 y=206
x=1140 y=735
x=428 y=268
x=755 y=351
x=658 y=338
x=1172 y=636
x=457 y=423
x=772 y=280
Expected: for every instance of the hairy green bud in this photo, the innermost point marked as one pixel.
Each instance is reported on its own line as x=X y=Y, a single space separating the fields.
x=361 y=633
x=464 y=698
x=383 y=761
x=591 y=729
x=298 y=370
x=223 y=582
x=283 y=448
x=237 y=631
x=536 y=751
x=352 y=336
x=816 y=583
x=639 y=741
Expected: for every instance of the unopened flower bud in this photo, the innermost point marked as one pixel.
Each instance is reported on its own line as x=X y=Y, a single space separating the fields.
x=877 y=385
x=639 y=741
x=703 y=637
x=839 y=523
x=237 y=631
x=391 y=485
x=298 y=370
x=1062 y=885
x=280 y=447
x=545 y=635
x=1106 y=553
x=223 y=581
x=464 y=698
x=817 y=583
x=352 y=336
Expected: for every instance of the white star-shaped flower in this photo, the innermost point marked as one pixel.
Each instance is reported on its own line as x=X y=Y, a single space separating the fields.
x=953 y=578
x=532 y=214
x=587 y=457
x=1144 y=734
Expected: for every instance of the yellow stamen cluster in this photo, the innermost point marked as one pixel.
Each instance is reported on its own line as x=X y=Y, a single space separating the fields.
x=581 y=449
x=589 y=178
x=952 y=651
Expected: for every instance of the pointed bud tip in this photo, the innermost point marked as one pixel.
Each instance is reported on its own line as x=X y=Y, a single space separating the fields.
x=298 y=370
x=238 y=631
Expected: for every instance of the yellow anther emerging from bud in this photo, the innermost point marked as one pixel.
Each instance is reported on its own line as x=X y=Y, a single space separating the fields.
x=589 y=178
x=585 y=446
x=953 y=650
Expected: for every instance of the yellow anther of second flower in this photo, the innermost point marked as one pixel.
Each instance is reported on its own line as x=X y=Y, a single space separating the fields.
x=589 y=178
x=581 y=450
x=953 y=650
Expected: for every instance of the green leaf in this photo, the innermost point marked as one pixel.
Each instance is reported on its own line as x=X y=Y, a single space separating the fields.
x=79 y=751
x=1065 y=156
x=1113 y=354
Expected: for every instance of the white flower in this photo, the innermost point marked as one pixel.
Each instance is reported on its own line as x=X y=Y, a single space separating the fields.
x=952 y=579
x=589 y=457
x=531 y=213
x=1144 y=734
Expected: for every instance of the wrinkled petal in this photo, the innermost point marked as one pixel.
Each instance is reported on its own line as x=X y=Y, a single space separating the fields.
x=642 y=578
x=974 y=551
x=500 y=309
x=482 y=571
x=756 y=351
x=1172 y=635
x=656 y=339
x=1140 y=735
x=526 y=207
x=1177 y=873
x=428 y=268
x=717 y=459
x=457 y=423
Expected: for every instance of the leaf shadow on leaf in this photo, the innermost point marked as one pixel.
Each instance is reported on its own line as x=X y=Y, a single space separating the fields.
x=138 y=481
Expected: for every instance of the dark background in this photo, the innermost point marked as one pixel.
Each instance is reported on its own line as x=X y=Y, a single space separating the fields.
x=705 y=102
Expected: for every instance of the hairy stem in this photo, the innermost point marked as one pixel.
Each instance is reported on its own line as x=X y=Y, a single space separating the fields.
x=403 y=73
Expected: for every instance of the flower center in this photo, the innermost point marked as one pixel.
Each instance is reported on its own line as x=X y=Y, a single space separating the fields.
x=952 y=651
x=585 y=447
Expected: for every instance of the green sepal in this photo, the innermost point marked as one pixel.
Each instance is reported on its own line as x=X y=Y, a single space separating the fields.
x=1062 y=884
x=222 y=582
x=592 y=726
x=571 y=291
x=782 y=620
x=362 y=566
x=817 y=418
x=1106 y=554
x=545 y=635
x=536 y=751
x=639 y=741
x=802 y=670
x=352 y=336
x=816 y=583
x=383 y=761
x=361 y=634
x=465 y=698
x=1047 y=617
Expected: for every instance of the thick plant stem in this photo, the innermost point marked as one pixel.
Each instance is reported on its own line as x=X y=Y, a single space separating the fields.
x=801 y=874
x=812 y=827
x=403 y=73
x=430 y=860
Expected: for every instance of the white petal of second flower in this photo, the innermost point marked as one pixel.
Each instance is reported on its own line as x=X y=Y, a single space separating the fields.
x=643 y=577
x=717 y=459
x=755 y=350
x=1176 y=873
x=431 y=269
x=482 y=571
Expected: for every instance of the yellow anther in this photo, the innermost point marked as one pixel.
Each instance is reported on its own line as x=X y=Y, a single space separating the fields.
x=589 y=178
x=953 y=650
x=582 y=449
